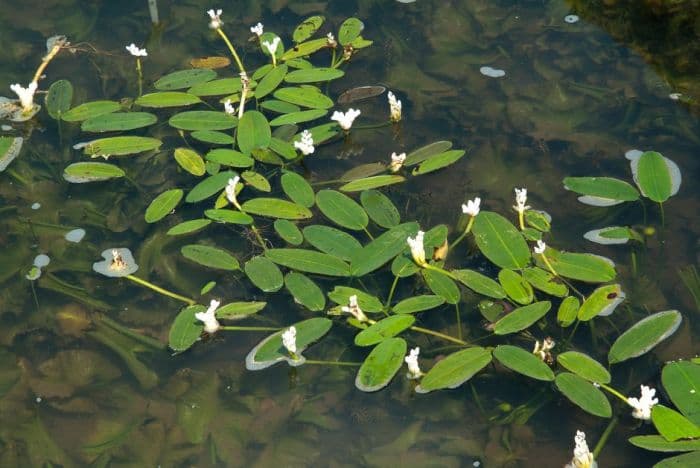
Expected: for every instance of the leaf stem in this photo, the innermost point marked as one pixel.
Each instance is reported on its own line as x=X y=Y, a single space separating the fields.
x=614 y=392
x=604 y=438
x=254 y=329
x=160 y=290
x=261 y=241
x=333 y=363
x=427 y=331
x=241 y=68
x=391 y=294
x=464 y=234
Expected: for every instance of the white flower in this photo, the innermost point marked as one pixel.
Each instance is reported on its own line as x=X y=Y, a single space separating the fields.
x=330 y=38
x=211 y=325
x=135 y=51
x=520 y=200
x=215 y=17
x=417 y=249
x=231 y=191
x=411 y=360
x=642 y=405
x=345 y=120
x=272 y=46
x=257 y=29
x=228 y=107
x=543 y=350
x=540 y=247
x=306 y=144
x=397 y=161
x=583 y=458
x=26 y=95
x=394 y=107
x=472 y=207
x=353 y=308
x=289 y=340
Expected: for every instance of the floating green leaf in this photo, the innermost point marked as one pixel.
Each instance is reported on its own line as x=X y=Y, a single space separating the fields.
x=380 y=208
x=426 y=152
x=220 y=87
x=381 y=365
x=516 y=287
x=455 y=369
x=309 y=261
x=601 y=191
x=657 y=443
x=280 y=107
x=313 y=75
x=59 y=98
x=213 y=136
x=523 y=362
x=264 y=274
x=568 y=311
x=167 y=99
x=304 y=49
x=297 y=189
x=383 y=329
x=442 y=285
x=305 y=291
x=341 y=209
x=288 y=231
x=332 y=241
x=500 y=241
x=9 y=150
x=304 y=96
x=372 y=182
x=612 y=235
x=188 y=227
x=210 y=256
x=121 y=145
x=480 y=283
x=283 y=148
x=270 y=81
x=584 y=366
x=209 y=186
x=644 y=335
x=256 y=180
x=583 y=267
x=655 y=176
x=118 y=121
x=253 y=132
x=672 y=425
x=163 y=204
x=545 y=281
x=82 y=172
x=276 y=208
x=298 y=117
x=350 y=30
x=415 y=304
x=367 y=302
x=89 y=110
x=521 y=318
x=190 y=161
x=681 y=380
x=307 y=28
x=583 y=394
x=229 y=157
x=203 y=120
x=184 y=79
x=438 y=161
x=185 y=330
x=239 y=310
x=229 y=216
x=602 y=301
x=382 y=249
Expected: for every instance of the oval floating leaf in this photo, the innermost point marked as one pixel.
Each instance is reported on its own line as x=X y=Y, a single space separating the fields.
x=382 y=249
x=307 y=28
x=383 y=329
x=342 y=210
x=368 y=303
x=239 y=310
x=681 y=380
x=190 y=161
x=305 y=291
x=583 y=267
x=188 y=227
x=583 y=394
x=313 y=75
x=270 y=81
x=253 y=132
x=516 y=287
x=121 y=145
x=657 y=443
x=545 y=281
x=184 y=79
x=601 y=191
x=442 y=285
x=264 y=274
x=521 y=318
x=203 y=120
x=479 y=283
x=371 y=182
x=644 y=335
x=426 y=152
x=59 y=98
x=304 y=49
x=584 y=366
x=673 y=425
x=332 y=241
x=602 y=301
x=415 y=304
x=163 y=204
x=89 y=110
x=309 y=261
x=500 y=241
x=229 y=157
x=380 y=209
x=305 y=97
x=82 y=172
x=167 y=99
x=209 y=186
x=298 y=117
x=210 y=256
x=185 y=330
x=350 y=30
x=220 y=87
x=455 y=369
x=288 y=231
x=381 y=365
x=9 y=150
x=276 y=208
x=224 y=215
x=118 y=121
x=438 y=162
x=523 y=362
x=297 y=189
x=568 y=311
x=657 y=177
x=213 y=136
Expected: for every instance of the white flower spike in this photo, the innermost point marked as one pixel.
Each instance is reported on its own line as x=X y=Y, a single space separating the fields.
x=583 y=458
x=521 y=200
x=215 y=17
x=272 y=46
x=417 y=248
x=289 y=340
x=540 y=247
x=26 y=95
x=330 y=38
x=228 y=107
x=353 y=308
x=543 y=350
x=411 y=361
x=231 y=191
x=397 y=161
x=211 y=325
x=135 y=51
x=306 y=144
x=472 y=207
x=346 y=119
x=257 y=29
x=643 y=405
x=394 y=108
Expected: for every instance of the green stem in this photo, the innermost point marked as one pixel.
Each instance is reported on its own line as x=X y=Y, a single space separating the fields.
x=160 y=290
x=139 y=72
x=463 y=235
x=459 y=321
x=333 y=363
x=261 y=241
x=255 y=329
x=371 y=126
x=549 y=265
x=439 y=335
x=614 y=392
x=232 y=49
x=663 y=217
x=604 y=438
x=521 y=219
x=391 y=294
x=368 y=233
x=15 y=175
x=428 y=266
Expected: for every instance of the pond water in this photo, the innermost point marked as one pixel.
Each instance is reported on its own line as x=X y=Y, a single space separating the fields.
x=85 y=376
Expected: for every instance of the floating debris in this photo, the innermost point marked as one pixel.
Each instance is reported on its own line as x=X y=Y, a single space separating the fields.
x=492 y=72
x=406 y=1
x=76 y=235
x=571 y=19
x=360 y=93
x=36 y=205
x=117 y=263
x=675 y=96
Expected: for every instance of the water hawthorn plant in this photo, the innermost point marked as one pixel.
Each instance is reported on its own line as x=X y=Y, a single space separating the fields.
x=246 y=136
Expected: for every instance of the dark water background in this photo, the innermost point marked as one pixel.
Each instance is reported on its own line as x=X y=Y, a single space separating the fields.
x=575 y=97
